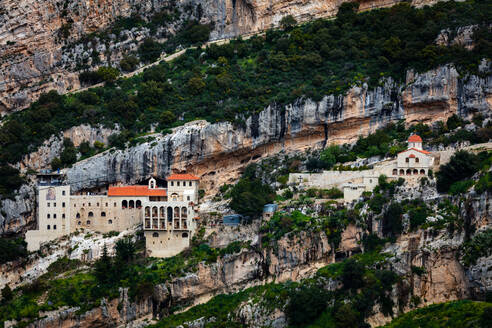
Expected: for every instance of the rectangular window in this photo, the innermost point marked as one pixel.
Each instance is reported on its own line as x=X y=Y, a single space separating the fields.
x=54 y=216
x=48 y=204
x=54 y=227
x=188 y=197
x=106 y=204
x=190 y=183
x=54 y=204
x=97 y=204
x=177 y=183
x=63 y=192
x=114 y=204
x=172 y=183
x=63 y=204
x=74 y=205
x=63 y=215
x=89 y=204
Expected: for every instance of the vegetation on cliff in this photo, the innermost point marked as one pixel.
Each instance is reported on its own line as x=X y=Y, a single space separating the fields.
x=457 y=314
x=232 y=81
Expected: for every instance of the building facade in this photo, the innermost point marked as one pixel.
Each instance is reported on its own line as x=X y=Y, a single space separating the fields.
x=415 y=161
x=170 y=222
x=120 y=208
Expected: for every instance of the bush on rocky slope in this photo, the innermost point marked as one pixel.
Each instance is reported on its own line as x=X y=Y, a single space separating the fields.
x=457 y=314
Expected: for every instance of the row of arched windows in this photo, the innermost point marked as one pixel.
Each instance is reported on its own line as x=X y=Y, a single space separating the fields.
x=183 y=235
x=90 y=215
x=160 y=212
x=408 y=172
x=131 y=204
x=88 y=222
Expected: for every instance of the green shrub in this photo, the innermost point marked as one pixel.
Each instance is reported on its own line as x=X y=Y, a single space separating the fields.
x=479 y=246
x=12 y=249
x=462 y=165
x=460 y=187
x=129 y=63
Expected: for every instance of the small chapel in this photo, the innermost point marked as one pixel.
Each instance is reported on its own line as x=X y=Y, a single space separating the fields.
x=415 y=161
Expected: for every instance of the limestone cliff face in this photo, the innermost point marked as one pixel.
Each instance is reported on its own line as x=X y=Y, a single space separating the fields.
x=41 y=44
x=299 y=256
x=218 y=152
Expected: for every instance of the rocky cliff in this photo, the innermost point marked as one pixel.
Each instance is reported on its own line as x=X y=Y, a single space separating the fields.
x=300 y=255
x=218 y=152
x=45 y=44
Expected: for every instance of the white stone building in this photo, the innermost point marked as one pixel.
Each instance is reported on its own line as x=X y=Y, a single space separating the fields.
x=120 y=208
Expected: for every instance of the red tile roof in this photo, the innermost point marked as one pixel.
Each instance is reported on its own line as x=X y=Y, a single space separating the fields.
x=419 y=150
x=136 y=191
x=182 y=177
x=414 y=138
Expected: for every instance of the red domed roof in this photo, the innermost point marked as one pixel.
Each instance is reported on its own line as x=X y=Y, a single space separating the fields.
x=414 y=138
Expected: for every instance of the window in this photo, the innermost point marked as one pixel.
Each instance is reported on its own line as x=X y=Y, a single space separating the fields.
x=89 y=204
x=91 y=214
x=63 y=204
x=63 y=192
x=184 y=235
x=79 y=223
x=54 y=227
x=416 y=159
x=48 y=227
x=114 y=204
x=191 y=183
x=172 y=183
x=74 y=205
x=110 y=221
x=155 y=234
x=188 y=197
x=97 y=204
x=63 y=215
x=124 y=204
x=177 y=183
x=106 y=204
x=78 y=216
x=88 y=222
x=103 y=213
x=407 y=160
x=54 y=216
x=48 y=216
x=54 y=204
x=48 y=204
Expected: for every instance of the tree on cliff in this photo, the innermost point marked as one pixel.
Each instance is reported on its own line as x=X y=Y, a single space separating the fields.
x=250 y=194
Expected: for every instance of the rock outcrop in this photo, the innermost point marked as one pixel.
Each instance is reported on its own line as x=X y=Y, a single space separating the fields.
x=42 y=43
x=219 y=152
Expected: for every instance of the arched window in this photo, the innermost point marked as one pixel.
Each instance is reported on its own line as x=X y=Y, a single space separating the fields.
x=162 y=213
x=169 y=214
x=416 y=159
x=174 y=197
x=191 y=183
x=91 y=214
x=110 y=221
x=409 y=172
x=63 y=204
x=139 y=204
x=88 y=222
x=184 y=235
x=106 y=204
x=407 y=160
x=103 y=213
x=63 y=192
x=77 y=216
x=131 y=204
x=177 y=183
x=422 y=171
x=54 y=216
x=147 y=211
x=114 y=204
x=154 y=211
x=415 y=171
x=184 y=212
x=63 y=215
x=395 y=171
x=155 y=234
x=402 y=172
x=176 y=212
x=48 y=216
x=124 y=204
x=54 y=227
x=79 y=223
x=48 y=227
